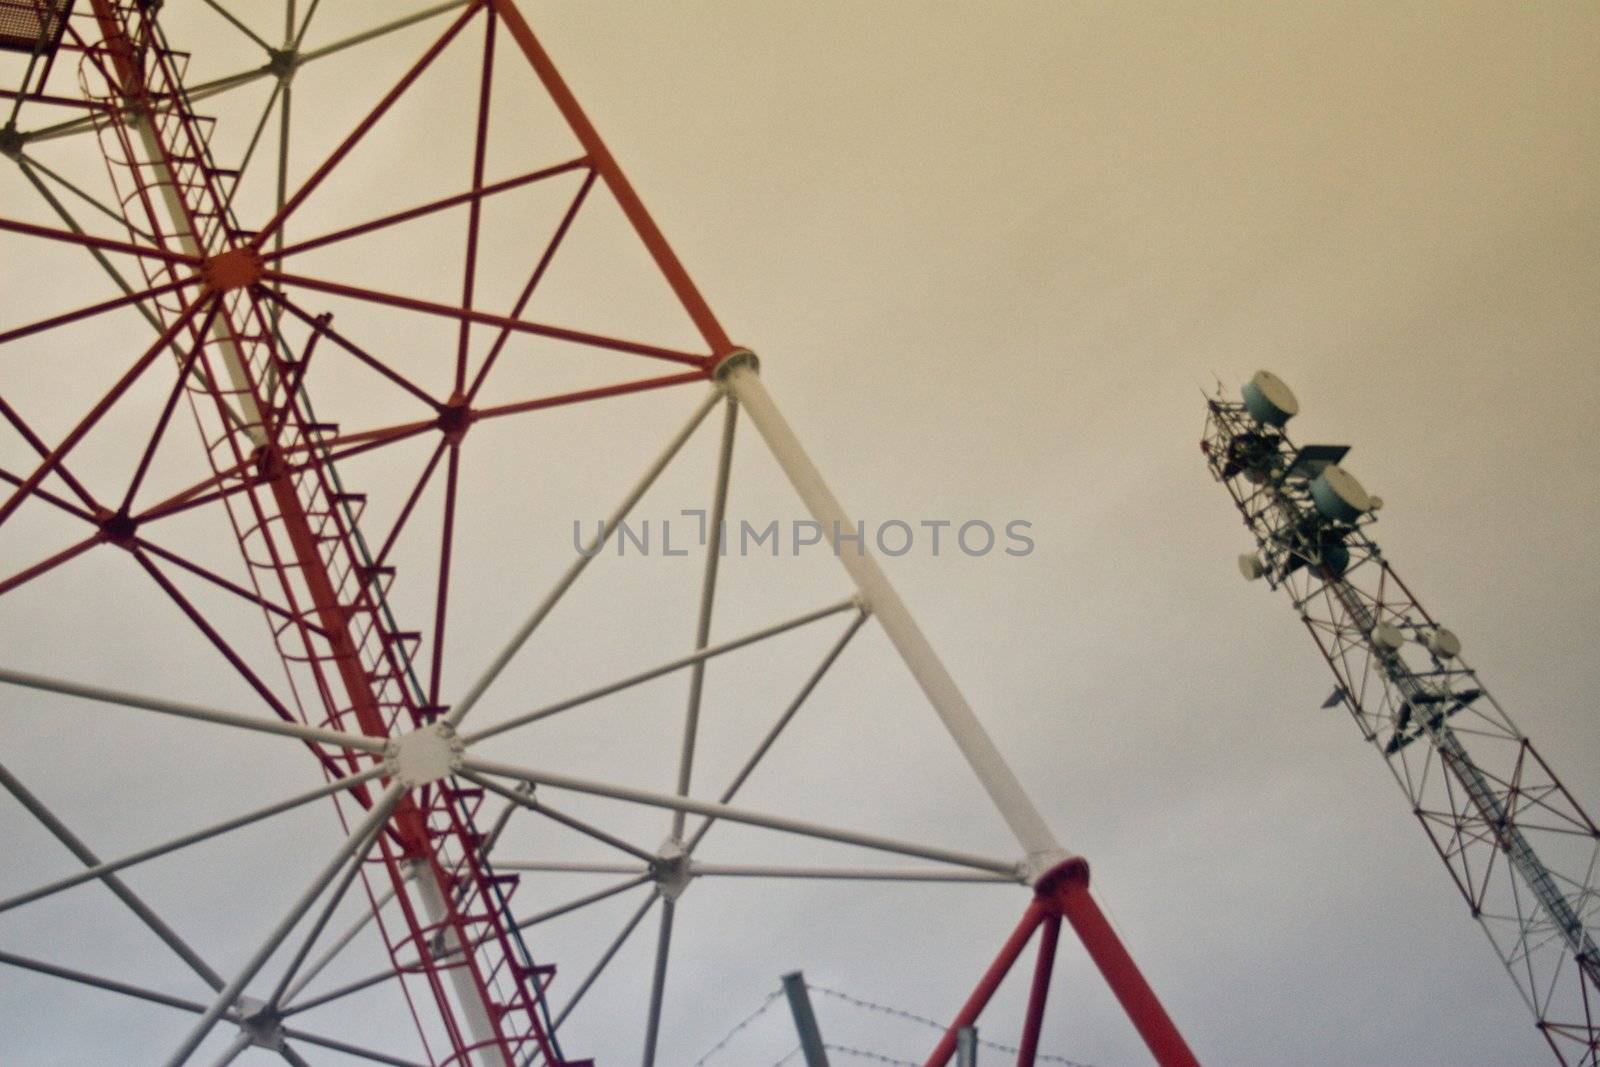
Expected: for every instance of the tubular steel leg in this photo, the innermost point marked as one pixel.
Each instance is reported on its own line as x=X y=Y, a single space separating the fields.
x=1063 y=892
x=1067 y=889
x=435 y=904
x=1037 y=910
x=1010 y=799
x=1028 y=1048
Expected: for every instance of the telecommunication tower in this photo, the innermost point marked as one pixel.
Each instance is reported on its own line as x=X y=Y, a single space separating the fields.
x=200 y=288
x=1520 y=848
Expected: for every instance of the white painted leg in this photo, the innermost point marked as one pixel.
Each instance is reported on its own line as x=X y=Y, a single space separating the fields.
x=738 y=375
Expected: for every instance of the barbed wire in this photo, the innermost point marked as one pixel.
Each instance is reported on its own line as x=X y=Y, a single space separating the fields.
x=901 y=1013
x=868 y=1005
x=876 y=1057
x=742 y=1023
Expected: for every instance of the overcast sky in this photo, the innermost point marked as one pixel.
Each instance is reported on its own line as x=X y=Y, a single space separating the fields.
x=989 y=255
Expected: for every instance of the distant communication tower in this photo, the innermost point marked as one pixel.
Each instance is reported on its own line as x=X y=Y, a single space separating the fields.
x=1520 y=848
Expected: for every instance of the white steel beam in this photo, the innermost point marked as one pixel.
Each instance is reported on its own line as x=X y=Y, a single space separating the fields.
x=525 y=631
x=778 y=727
x=338 y=946
x=133 y=858
x=708 y=596
x=693 y=659
x=351 y=851
x=606 y=957
x=739 y=376
x=569 y=867
x=85 y=855
x=194 y=711
x=474 y=769
x=747 y=870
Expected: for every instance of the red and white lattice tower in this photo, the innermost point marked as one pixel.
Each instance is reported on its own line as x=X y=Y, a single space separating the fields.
x=1522 y=851
x=205 y=299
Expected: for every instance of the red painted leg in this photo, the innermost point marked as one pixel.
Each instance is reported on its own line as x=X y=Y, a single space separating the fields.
x=1043 y=968
x=1067 y=888
x=990 y=981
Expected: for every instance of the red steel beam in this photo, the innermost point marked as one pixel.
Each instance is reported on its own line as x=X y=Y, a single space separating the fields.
x=645 y=226
x=420 y=210
x=1043 y=969
x=1067 y=888
x=429 y=307
x=354 y=137
x=1063 y=892
x=1038 y=909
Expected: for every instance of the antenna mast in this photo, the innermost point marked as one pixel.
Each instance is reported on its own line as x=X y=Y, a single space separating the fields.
x=1521 y=850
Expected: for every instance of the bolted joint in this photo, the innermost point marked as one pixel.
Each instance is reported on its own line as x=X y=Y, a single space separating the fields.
x=117 y=528
x=236 y=268
x=264 y=1028
x=455 y=418
x=282 y=63
x=11 y=142
x=732 y=361
x=1066 y=877
x=424 y=756
x=672 y=869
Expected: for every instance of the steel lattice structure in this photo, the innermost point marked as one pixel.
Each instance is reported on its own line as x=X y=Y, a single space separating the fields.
x=215 y=319
x=1522 y=851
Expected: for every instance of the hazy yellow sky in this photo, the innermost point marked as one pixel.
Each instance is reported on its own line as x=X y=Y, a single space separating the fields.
x=987 y=253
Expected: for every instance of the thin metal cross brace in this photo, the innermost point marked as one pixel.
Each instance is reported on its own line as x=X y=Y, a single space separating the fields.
x=339 y=944
x=473 y=768
x=335 y=898
x=524 y=800
x=111 y=985
x=351 y=851
x=693 y=659
x=658 y=981
x=947 y=700
x=584 y=901
x=606 y=958
x=667 y=262
x=193 y=711
x=708 y=595
x=29 y=165
x=525 y=631
x=237 y=23
x=340 y=992
x=318 y=175
x=778 y=727
x=348 y=1049
x=133 y=858
x=216 y=86
x=135 y=903
x=211 y=88
x=388 y=973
